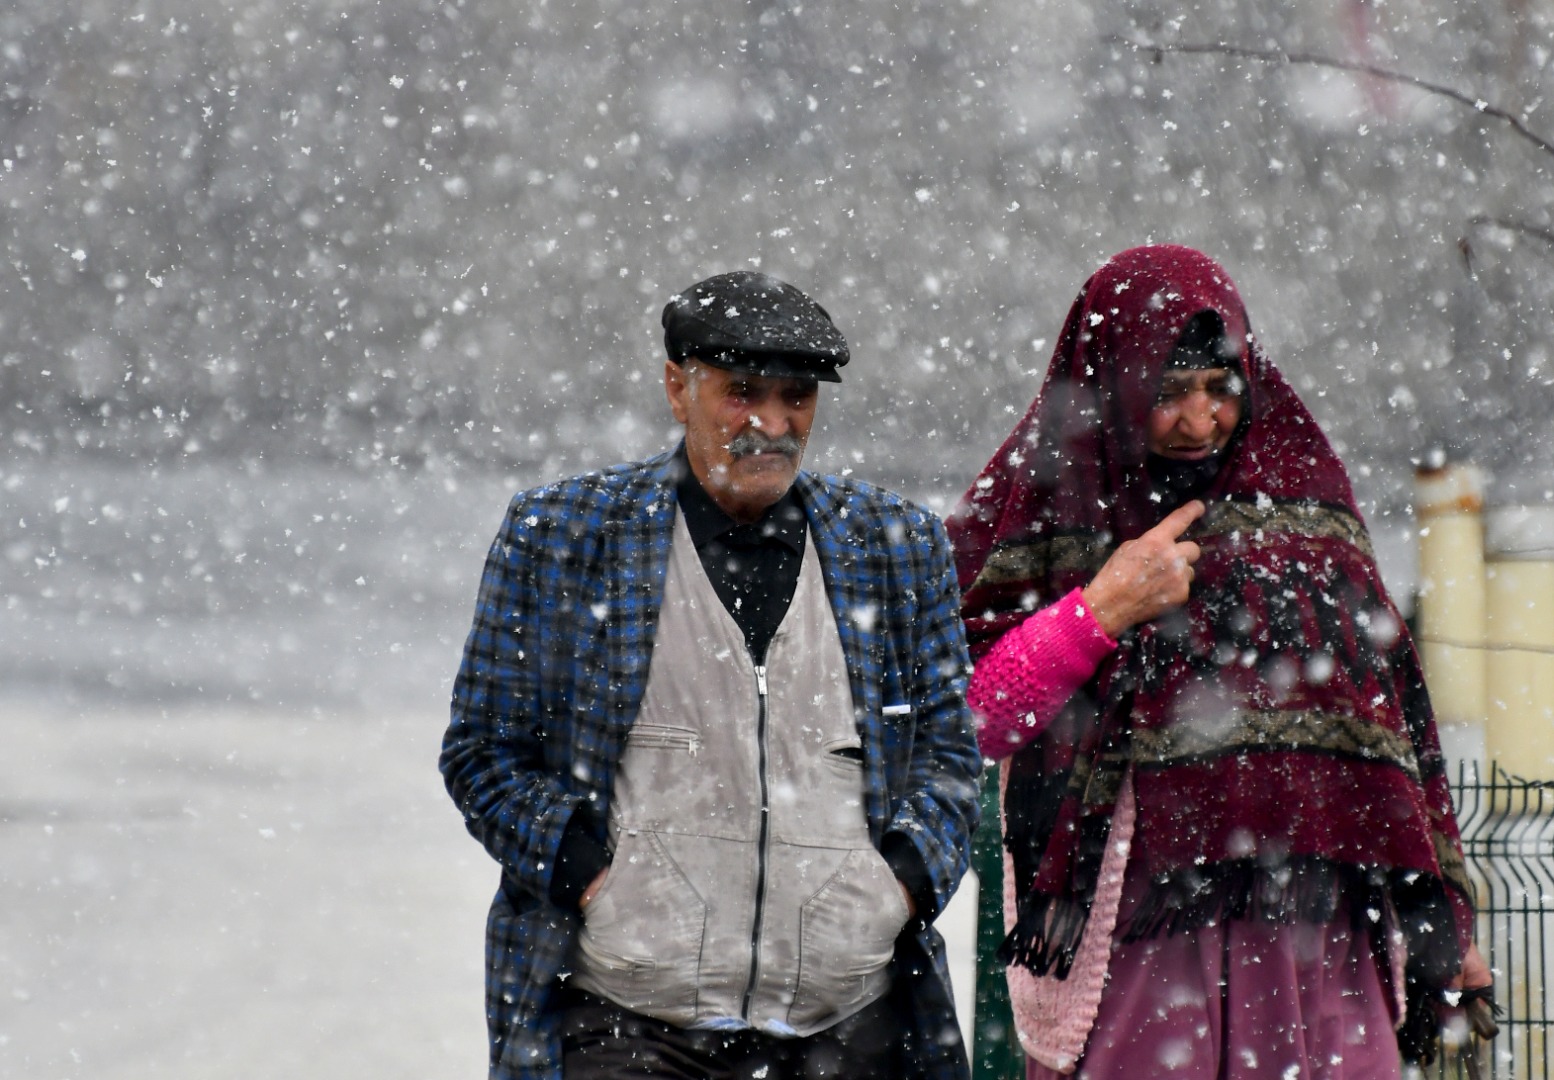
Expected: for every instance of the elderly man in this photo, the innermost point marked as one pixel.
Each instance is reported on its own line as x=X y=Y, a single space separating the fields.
x=711 y=723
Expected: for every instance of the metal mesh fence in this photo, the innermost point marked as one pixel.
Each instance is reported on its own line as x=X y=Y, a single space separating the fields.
x=1508 y=837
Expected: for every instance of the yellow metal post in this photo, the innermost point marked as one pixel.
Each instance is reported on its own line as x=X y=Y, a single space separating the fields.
x=1448 y=506
x=1519 y=632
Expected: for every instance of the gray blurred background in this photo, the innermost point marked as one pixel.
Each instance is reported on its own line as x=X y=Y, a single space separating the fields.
x=293 y=296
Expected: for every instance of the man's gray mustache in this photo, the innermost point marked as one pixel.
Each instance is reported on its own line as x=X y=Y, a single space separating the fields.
x=753 y=442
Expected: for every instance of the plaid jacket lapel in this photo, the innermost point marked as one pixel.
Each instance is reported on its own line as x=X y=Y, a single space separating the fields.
x=632 y=564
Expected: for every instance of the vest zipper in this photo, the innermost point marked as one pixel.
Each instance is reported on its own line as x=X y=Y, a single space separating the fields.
x=761 y=853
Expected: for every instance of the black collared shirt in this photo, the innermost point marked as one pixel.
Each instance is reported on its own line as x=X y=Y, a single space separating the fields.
x=754 y=568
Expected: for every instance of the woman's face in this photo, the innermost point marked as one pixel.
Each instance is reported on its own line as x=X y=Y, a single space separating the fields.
x=1196 y=413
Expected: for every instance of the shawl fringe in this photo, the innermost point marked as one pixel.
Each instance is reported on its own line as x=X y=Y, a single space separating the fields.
x=1046 y=934
x=1301 y=890
x=1047 y=929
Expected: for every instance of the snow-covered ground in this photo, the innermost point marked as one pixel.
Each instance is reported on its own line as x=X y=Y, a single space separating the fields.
x=203 y=892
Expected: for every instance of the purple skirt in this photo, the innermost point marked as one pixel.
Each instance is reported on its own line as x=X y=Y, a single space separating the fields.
x=1300 y=1001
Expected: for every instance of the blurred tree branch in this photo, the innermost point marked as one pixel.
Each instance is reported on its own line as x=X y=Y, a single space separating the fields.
x=1280 y=56
x=1489 y=221
x=1512 y=225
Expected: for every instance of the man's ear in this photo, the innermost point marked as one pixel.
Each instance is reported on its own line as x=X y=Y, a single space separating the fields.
x=677 y=387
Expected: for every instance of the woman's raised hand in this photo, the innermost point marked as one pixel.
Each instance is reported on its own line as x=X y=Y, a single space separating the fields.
x=1146 y=577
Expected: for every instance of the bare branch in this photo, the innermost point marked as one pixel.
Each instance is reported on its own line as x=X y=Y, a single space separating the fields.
x=1279 y=56
x=1478 y=221
x=1489 y=221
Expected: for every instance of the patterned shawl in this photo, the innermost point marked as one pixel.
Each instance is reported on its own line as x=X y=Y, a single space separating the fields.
x=1278 y=729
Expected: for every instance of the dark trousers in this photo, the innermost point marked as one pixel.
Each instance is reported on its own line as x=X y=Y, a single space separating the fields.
x=601 y=1040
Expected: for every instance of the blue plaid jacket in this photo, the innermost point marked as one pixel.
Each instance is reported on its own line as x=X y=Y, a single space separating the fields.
x=554 y=671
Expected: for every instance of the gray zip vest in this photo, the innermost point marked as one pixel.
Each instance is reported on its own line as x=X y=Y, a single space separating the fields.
x=744 y=889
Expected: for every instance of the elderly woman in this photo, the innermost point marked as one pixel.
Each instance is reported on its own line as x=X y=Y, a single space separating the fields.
x=1230 y=848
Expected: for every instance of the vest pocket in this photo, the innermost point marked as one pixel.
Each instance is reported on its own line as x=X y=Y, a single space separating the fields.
x=664 y=737
x=847 y=936
x=641 y=939
x=845 y=759
x=602 y=960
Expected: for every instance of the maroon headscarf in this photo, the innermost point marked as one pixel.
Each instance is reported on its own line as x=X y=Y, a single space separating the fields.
x=1280 y=737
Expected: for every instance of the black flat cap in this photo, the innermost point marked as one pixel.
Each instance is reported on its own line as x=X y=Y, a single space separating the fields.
x=752 y=323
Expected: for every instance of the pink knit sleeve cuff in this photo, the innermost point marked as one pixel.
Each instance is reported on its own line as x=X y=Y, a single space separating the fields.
x=1032 y=671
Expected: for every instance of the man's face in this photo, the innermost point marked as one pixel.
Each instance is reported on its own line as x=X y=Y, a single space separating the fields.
x=1196 y=413
x=744 y=434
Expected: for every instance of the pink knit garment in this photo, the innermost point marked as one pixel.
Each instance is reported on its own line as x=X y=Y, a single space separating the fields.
x=1016 y=690
x=1053 y=1017
x=1030 y=673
